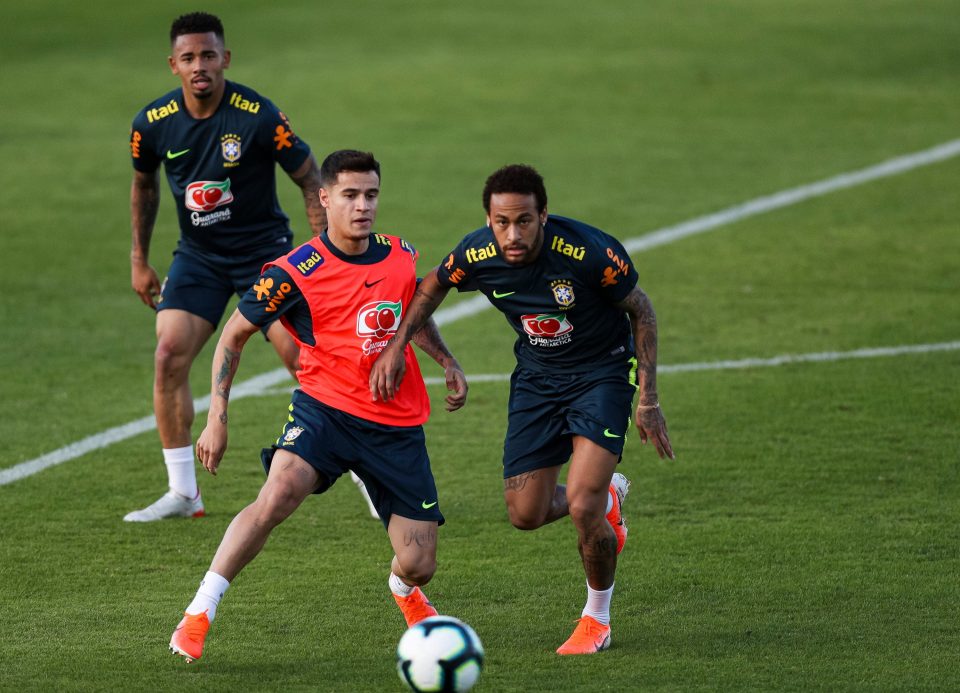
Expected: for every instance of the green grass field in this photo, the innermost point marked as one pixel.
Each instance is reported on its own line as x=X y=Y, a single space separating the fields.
x=806 y=537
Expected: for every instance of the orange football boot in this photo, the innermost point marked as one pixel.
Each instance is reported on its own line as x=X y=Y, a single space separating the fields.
x=415 y=607
x=619 y=487
x=187 y=639
x=588 y=637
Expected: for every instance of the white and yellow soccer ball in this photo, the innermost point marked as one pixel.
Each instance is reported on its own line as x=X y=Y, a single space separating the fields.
x=441 y=653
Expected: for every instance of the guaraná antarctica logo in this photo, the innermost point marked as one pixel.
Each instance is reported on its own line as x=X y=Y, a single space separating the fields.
x=376 y=322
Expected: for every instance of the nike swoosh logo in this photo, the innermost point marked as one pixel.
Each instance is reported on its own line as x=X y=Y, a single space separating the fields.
x=369 y=284
x=497 y=294
x=174 y=155
x=608 y=434
x=427 y=506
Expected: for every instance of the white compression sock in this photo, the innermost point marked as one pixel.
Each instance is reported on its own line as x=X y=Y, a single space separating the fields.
x=181 y=472
x=399 y=587
x=598 y=604
x=212 y=589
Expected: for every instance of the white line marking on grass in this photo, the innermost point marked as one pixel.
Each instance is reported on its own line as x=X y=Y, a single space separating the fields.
x=263 y=385
x=479 y=303
x=785 y=198
x=781 y=360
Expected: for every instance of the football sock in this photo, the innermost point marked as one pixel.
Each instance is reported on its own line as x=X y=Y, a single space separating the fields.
x=180 y=470
x=399 y=587
x=609 y=502
x=211 y=591
x=598 y=604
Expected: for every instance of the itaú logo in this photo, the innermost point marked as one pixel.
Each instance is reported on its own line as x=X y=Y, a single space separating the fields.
x=207 y=195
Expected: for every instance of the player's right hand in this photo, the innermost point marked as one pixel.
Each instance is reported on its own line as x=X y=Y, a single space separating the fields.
x=387 y=373
x=145 y=282
x=211 y=445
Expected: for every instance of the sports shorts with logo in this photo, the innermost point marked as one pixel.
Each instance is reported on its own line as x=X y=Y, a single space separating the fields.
x=546 y=410
x=199 y=284
x=391 y=460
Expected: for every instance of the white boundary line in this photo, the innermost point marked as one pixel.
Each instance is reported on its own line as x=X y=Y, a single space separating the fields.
x=471 y=306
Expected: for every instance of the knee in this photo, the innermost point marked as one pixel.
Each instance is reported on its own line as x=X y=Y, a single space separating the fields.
x=169 y=357
x=275 y=504
x=418 y=569
x=586 y=514
x=525 y=518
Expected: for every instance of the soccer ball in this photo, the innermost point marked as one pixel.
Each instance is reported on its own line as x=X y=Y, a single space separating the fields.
x=441 y=653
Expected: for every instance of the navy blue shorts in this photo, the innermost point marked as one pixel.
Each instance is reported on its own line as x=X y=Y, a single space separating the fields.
x=201 y=286
x=547 y=410
x=391 y=460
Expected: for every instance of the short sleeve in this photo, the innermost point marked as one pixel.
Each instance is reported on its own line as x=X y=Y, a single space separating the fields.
x=277 y=135
x=613 y=270
x=452 y=271
x=142 y=151
x=273 y=294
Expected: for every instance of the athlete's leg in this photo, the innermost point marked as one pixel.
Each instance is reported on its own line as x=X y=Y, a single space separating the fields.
x=286 y=348
x=415 y=549
x=289 y=482
x=180 y=337
x=534 y=498
x=588 y=488
x=414 y=562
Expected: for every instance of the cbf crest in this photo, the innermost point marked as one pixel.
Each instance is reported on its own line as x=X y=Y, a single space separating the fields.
x=292 y=434
x=562 y=292
x=230 y=148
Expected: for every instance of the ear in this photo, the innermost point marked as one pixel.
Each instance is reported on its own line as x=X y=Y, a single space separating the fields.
x=324 y=198
x=543 y=216
x=173 y=64
x=226 y=59
x=488 y=222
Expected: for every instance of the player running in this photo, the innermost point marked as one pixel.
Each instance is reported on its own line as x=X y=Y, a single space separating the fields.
x=219 y=143
x=587 y=339
x=341 y=296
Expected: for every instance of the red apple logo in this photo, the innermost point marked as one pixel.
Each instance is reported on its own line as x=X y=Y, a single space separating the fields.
x=207 y=195
x=378 y=319
x=546 y=325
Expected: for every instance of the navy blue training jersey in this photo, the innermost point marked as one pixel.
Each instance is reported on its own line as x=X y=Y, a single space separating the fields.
x=221 y=169
x=562 y=305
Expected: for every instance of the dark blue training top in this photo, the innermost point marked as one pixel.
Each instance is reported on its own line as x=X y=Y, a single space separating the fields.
x=221 y=170
x=562 y=305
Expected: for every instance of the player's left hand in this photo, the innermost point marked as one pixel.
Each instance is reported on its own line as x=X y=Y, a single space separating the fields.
x=653 y=428
x=457 y=385
x=211 y=445
x=386 y=373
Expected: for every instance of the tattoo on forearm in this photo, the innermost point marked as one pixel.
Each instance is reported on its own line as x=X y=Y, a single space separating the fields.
x=644 y=322
x=224 y=379
x=144 y=215
x=428 y=338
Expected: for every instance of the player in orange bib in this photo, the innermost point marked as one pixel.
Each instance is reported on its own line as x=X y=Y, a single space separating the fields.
x=341 y=295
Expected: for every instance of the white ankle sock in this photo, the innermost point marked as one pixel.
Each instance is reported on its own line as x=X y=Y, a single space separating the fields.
x=212 y=589
x=598 y=604
x=181 y=472
x=399 y=587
